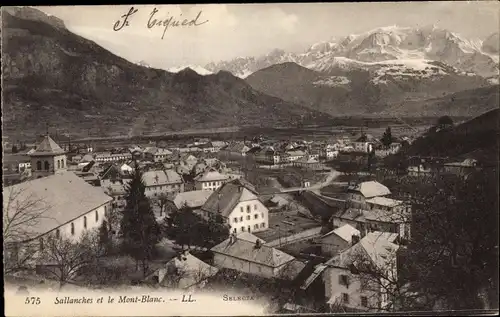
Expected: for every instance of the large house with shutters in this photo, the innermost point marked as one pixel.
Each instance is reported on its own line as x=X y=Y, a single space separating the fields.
x=361 y=276
x=238 y=204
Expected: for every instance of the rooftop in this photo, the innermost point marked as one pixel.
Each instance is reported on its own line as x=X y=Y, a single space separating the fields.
x=48 y=147
x=370 y=189
x=384 y=201
x=224 y=199
x=377 y=247
x=161 y=177
x=61 y=197
x=246 y=250
x=192 y=199
x=210 y=175
x=345 y=232
x=189 y=268
x=285 y=224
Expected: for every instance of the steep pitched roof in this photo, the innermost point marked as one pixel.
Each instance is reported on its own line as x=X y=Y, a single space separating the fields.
x=371 y=189
x=48 y=147
x=377 y=247
x=192 y=199
x=62 y=197
x=191 y=270
x=225 y=198
x=154 y=178
x=210 y=175
x=345 y=232
x=246 y=250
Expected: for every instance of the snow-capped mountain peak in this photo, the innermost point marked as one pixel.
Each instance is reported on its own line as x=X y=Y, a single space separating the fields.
x=382 y=44
x=198 y=69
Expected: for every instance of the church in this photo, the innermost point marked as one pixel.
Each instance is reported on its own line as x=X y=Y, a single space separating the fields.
x=54 y=201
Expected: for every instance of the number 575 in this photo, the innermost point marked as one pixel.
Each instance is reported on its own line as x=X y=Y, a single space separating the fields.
x=32 y=300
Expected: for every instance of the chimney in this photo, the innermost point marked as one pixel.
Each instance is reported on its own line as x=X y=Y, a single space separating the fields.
x=257 y=244
x=354 y=239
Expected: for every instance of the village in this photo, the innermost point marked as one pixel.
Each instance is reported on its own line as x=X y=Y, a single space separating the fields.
x=310 y=225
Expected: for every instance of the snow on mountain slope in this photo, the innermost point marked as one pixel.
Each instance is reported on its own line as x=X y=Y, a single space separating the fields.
x=378 y=45
x=198 y=69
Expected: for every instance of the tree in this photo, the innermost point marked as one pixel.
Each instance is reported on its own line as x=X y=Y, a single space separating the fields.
x=139 y=228
x=162 y=202
x=65 y=259
x=387 y=137
x=189 y=229
x=453 y=254
x=22 y=214
x=105 y=238
x=444 y=122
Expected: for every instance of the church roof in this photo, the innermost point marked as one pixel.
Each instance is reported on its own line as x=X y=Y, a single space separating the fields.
x=47 y=147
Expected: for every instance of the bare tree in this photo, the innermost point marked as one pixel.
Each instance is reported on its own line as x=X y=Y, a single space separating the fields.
x=162 y=202
x=22 y=213
x=65 y=259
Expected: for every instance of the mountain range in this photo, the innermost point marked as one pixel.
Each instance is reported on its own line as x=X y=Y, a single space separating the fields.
x=382 y=44
x=401 y=87
x=51 y=75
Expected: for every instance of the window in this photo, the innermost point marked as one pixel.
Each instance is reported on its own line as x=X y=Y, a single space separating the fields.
x=58 y=233
x=242 y=229
x=234 y=230
x=241 y=209
x=345 y=298
x=38 y=165
x=364 y=301
x=248 y=209
x=58 y=163
x=241 y=218
x=262 y=225
x=256 y=226
x=41 y=244
x=235 y=220
x=85 y=222
x=254 y=207
x=72 y=229
x=248 y=228
x=256 y=216
x=262 y=214
x=344 y=280
x=47 y=165
x=248 y=217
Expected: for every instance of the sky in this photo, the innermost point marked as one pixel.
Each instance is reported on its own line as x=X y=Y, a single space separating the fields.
x=227 y=31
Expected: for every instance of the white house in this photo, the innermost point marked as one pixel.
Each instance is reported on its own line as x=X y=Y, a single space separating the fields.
x=162 y=182
x=359 y=193
x=156 y=154
x=362 y=276
x=238 y=204
x=254 y=257
x=291 y=156
x=108 y=157
x=268 y=155
x=211 y=179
